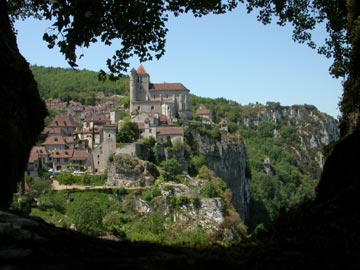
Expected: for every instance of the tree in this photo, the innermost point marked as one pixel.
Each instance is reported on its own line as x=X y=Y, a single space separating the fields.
x=128 y=132
x=138 y=25
x=171 y=168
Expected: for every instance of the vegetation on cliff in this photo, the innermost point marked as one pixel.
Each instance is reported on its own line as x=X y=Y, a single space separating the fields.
x=173 y=210
x=284 y=149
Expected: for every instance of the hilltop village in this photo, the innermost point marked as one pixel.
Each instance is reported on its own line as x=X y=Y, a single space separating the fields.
x=82 y=139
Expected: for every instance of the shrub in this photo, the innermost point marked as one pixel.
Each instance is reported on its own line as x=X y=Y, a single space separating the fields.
x=152 y=193
x=39 y=186
x=66 y=179
x=179 y=201
x=171 y=168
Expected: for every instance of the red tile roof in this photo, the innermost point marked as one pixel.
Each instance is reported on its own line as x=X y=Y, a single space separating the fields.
x=80 y=155
x=40 y=150
x=62 y=154
x=62 y=120
x=141 y=126
x=33 y=157
x=169 y=130
x=54 y=140
x=168 y=87
x=141 y=70
x=69 y=140
x=51 y=130
x=36 y=153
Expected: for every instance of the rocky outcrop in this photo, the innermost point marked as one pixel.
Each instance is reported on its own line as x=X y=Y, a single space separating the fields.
x=228 y=159
x=129 y=172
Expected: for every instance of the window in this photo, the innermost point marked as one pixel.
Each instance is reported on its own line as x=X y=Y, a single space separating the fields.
x=152 y=107
x=138 y=108
x=150 y=130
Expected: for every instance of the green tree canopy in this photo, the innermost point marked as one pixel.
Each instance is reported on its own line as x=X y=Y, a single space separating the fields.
x=128 y=132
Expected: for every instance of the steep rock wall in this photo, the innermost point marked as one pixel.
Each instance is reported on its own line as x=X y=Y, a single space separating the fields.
x=228 y=159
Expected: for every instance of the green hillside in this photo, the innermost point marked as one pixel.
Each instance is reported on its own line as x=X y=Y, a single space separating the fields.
x=80 y=85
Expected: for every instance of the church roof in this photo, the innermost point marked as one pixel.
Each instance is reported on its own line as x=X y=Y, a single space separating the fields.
x=170 y=131
x=168 y=87
x=141 y=70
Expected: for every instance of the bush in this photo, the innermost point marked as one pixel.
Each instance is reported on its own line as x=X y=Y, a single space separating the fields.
x=87 y=211
x=152 y=193
x=196 y=163
x=176 y=202
x=66 y=179
x=39 y=186
x=128 y=132
x=171 y=168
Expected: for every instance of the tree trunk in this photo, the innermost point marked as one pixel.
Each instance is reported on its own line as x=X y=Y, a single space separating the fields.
x=21 y=110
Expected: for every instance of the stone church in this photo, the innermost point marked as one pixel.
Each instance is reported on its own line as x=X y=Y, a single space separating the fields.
x=169 y=99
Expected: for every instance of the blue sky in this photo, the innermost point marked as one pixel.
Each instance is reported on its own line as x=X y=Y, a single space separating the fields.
x=231 y=56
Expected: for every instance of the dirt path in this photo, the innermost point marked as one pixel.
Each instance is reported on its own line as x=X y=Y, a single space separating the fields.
x=56 y=186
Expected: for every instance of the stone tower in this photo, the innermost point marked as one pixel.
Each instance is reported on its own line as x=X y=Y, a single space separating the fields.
x=139 y=86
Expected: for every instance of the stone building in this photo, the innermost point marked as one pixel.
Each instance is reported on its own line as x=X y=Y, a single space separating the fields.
x=170 y=99
x=101 y=152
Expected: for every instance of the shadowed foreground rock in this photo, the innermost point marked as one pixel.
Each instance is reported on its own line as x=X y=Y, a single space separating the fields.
x=27 y=243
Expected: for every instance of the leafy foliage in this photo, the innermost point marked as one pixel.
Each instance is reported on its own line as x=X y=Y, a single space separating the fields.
x=140 y=26
x=85 y=179
x=128 y=132
x=39 y=186
x=170 y=168
x=69 y=84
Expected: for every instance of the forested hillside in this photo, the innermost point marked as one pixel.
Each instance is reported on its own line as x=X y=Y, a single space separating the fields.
x=80 y=85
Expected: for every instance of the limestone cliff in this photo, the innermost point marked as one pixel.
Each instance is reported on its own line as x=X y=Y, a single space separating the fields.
x=228 y=159
x=304 y=130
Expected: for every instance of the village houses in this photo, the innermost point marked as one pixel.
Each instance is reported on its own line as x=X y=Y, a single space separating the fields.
x=85 y=136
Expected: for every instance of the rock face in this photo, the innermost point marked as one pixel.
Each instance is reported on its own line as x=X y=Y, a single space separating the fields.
x=129 y=172
x=313 y=130
x=227 y=158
